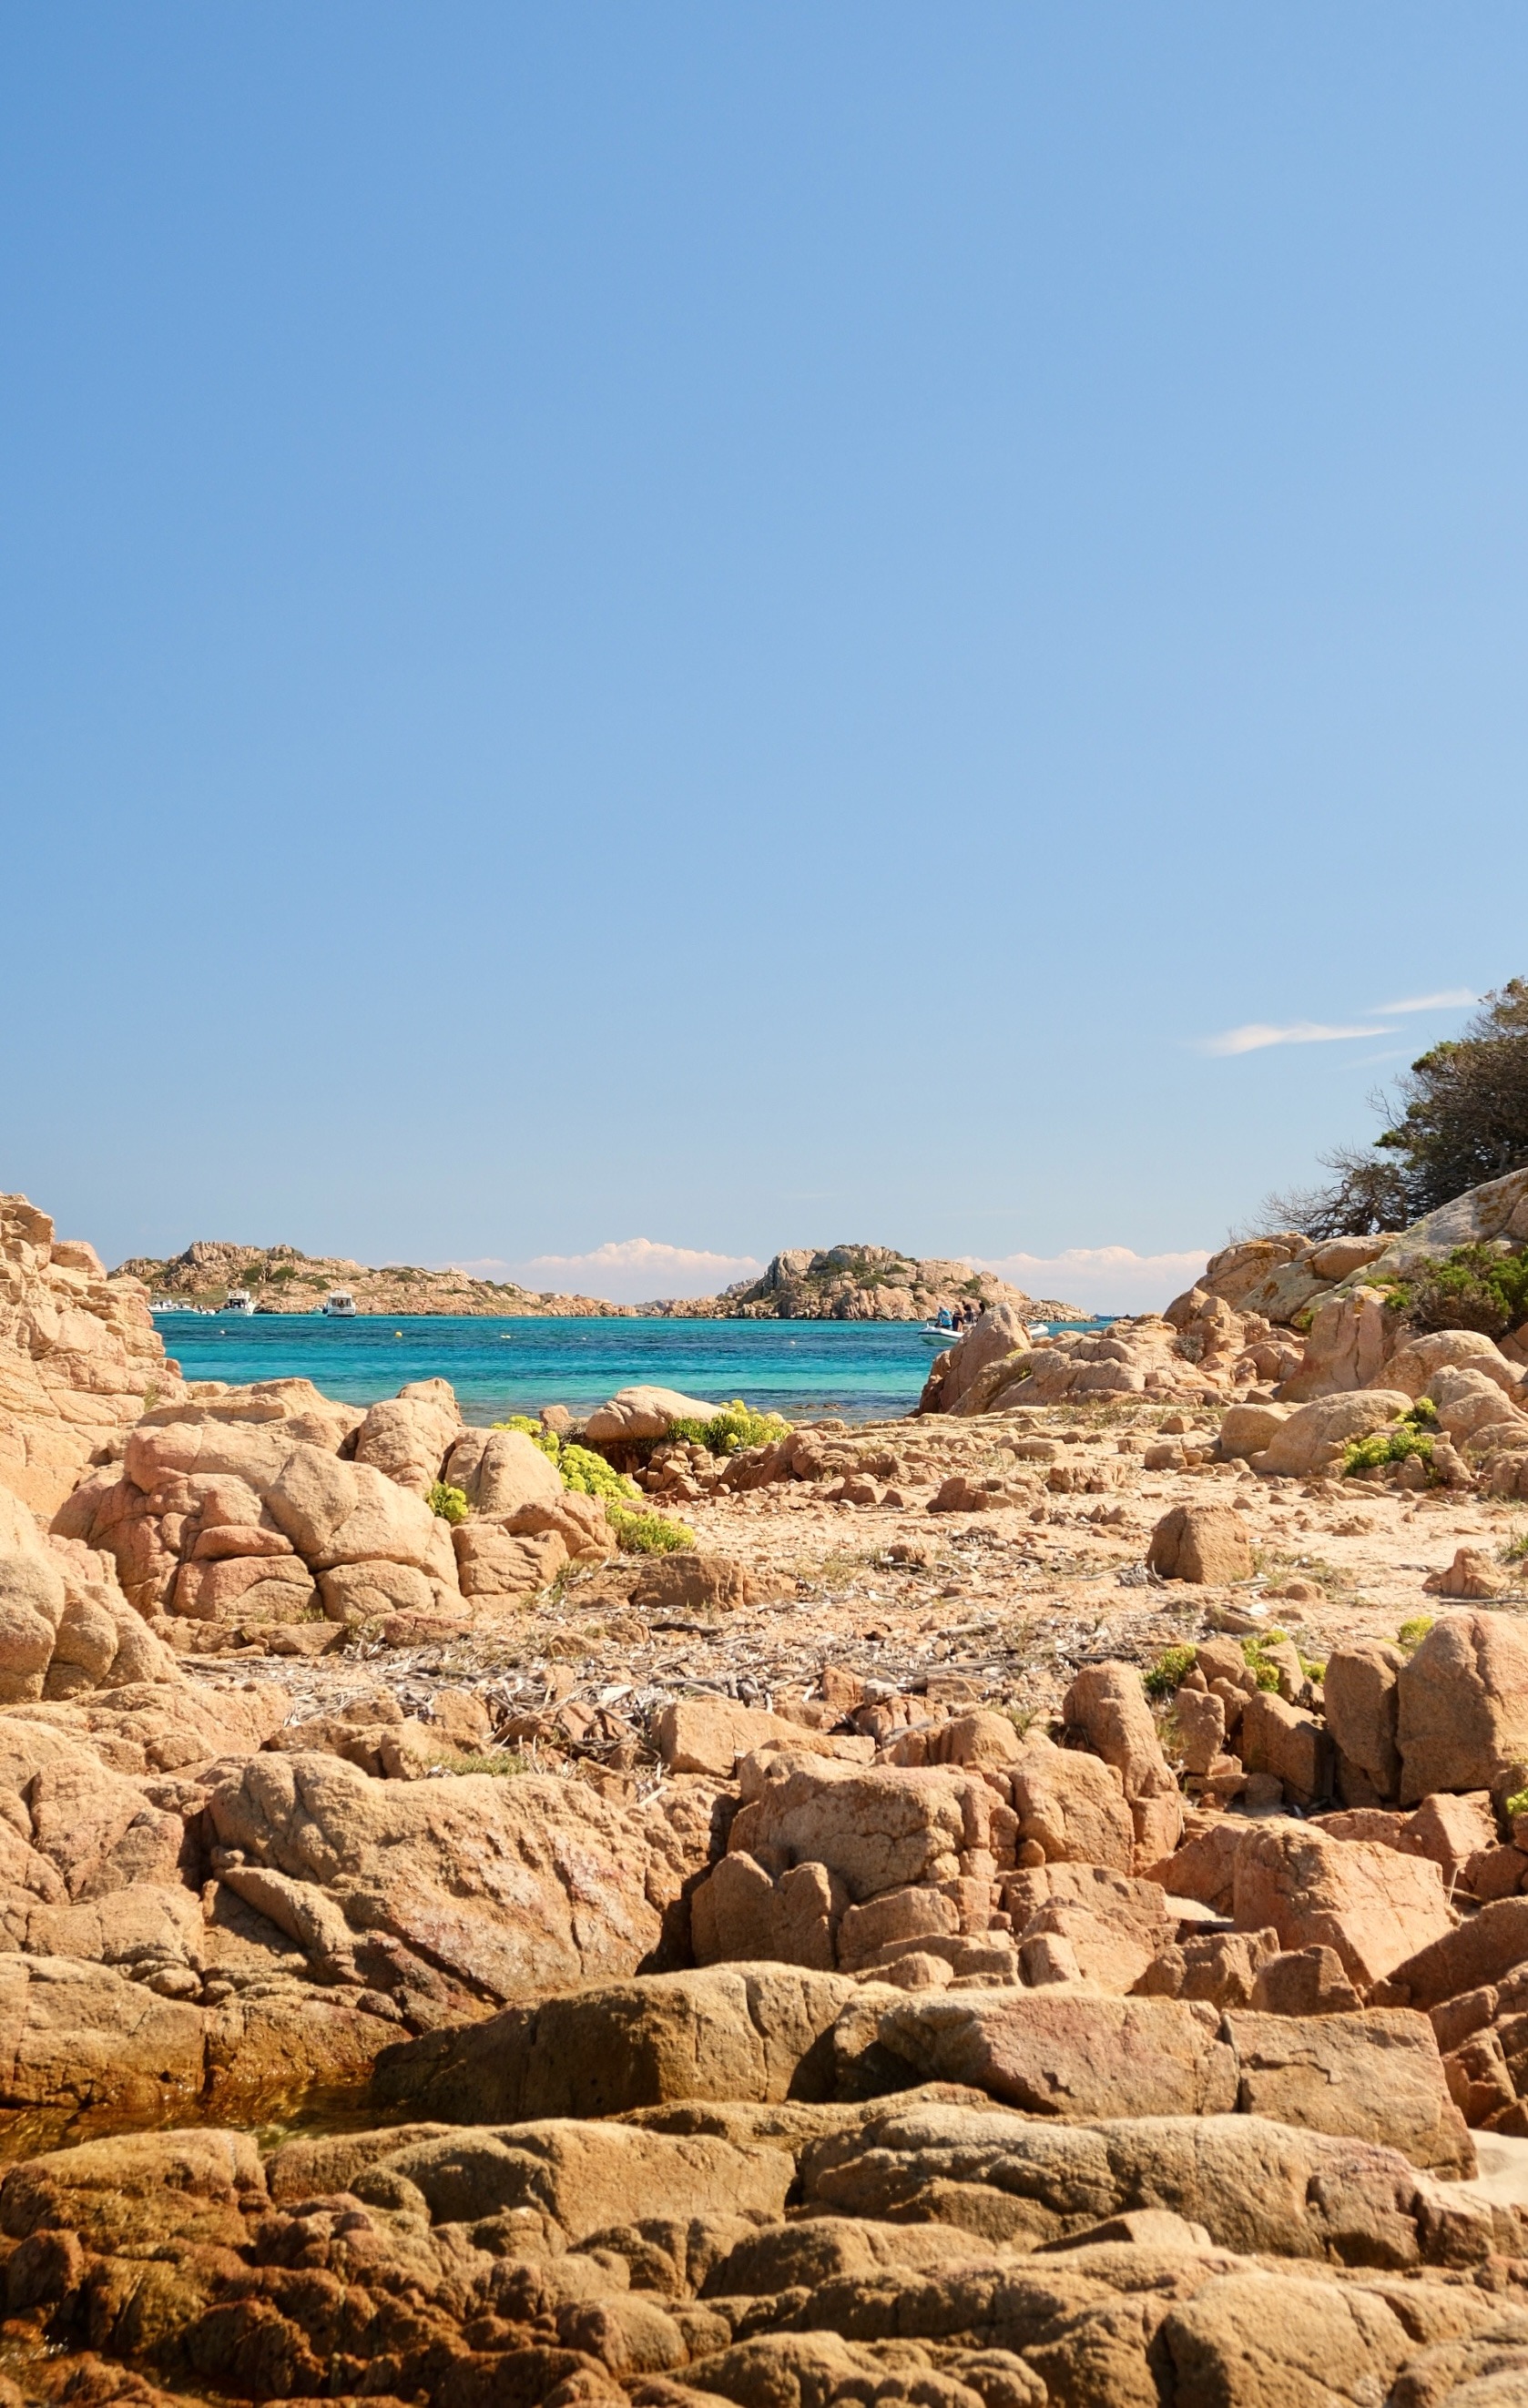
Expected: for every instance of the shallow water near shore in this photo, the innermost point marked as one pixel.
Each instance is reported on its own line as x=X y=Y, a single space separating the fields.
x=862 y=1371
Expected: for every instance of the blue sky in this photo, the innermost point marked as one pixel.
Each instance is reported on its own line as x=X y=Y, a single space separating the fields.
x=653 y=633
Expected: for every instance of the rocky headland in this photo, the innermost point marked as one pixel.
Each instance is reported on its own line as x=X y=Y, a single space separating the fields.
x=1022 y=1904
x=836 y=1283
x=873 y=1283
x=281 y=1279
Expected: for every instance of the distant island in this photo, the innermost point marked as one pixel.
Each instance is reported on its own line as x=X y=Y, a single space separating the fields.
x=844 y=1283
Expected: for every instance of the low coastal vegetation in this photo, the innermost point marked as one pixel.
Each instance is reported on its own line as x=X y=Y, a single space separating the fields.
x=1479 y=1287
x=1415 y=1435
x=734 y=1427
x=588 y=1473
x=648 y=1534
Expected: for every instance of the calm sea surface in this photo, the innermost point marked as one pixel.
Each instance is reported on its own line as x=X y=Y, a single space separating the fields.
x=860 y=1369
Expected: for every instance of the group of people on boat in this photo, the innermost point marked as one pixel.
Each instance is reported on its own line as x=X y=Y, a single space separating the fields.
x=950 y=1322
x=962 y=1317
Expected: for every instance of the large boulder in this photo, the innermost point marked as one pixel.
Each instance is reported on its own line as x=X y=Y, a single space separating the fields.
x=495 y=1563
x=1372 y=2076
x=996 y=1348
x=503 y=1886
x=1482 y=1950
x=1053 y=2054
x=499 y=1471
x=1462 y=1718
x=1371 y=1905
x=1072 y=1806
x=644 y=1413
x=407 y=1436
x=1313 y=1440
x=876 y=1829
x=1413 y=1366
x=337 y=1512
x=709 y=1735
x=692 y=1580
x=1207 y=1545
x=79 y=1351
x=742 y=1913
x=1471 y=1400
x=1290 y=1743
x=732 y=2032
x=32 y=1602
x=1247 y=1429
x=1107 y=1703
x=1361 y=1702
x=1350 y=1333
x=1254 y=2185
x=582 y=2178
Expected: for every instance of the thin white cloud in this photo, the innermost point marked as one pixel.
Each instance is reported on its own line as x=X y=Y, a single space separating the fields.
x=1259 y=1033
x=1448 y=1001
x=626 y=1270
x=1103 y=1278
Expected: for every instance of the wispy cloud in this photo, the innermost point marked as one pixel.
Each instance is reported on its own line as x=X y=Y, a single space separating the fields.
x=625 y=1270
x=1259 y=1033
x=1450 y=997
x=1104 y=1278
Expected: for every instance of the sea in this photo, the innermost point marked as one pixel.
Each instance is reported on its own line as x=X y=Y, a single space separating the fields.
x=860 y=1370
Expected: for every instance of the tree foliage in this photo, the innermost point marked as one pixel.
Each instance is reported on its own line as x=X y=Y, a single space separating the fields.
x=1459 y=1117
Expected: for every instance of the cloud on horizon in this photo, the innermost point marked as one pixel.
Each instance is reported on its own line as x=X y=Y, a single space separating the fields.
x=1103 y=1278
x=1450 y=997
x=625 y=1270
x=1256 y=1034
x=1259 y=1033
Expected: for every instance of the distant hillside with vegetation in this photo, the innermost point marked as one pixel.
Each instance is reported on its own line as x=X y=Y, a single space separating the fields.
x=845 y=1283
x=282 y=1279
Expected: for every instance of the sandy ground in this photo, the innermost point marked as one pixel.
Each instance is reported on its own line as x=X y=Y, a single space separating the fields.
x=996 y=1606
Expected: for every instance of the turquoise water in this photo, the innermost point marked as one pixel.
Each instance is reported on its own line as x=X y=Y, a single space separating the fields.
x=863 y=1371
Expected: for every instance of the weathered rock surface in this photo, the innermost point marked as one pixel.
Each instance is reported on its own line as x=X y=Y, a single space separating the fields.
x=1463 y=1715
x=1372 y=1906
x=749 y=2032
x=499 y=1887
x=80 y=1357
x=1204 y=1543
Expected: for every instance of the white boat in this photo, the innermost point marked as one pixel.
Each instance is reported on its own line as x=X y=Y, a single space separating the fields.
x=935 y=1333
x=339 y=1304
x=238 y=1299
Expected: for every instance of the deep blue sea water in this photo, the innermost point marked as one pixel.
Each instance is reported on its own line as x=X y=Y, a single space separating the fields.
x=862 y=1371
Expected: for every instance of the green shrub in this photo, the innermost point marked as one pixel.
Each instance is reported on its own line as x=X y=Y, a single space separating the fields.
x=538 y=1433
x=1267 y=1674
x=648 y=1534
x=1169 y=1672
x=1472 y=1288
x=731 y=1429
x=1515 y=1805
x=1412 y=1633
x=592 y=1476
x=503 y=1762
x=1389 y=1446
x=581 y=1469
x=1515 y=1550
x=449 y=1503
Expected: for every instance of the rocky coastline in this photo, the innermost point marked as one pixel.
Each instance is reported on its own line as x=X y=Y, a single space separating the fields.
x=1022 y=1904
x=845 y=1283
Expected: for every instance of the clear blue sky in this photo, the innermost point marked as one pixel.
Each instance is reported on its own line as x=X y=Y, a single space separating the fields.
x=739 y=624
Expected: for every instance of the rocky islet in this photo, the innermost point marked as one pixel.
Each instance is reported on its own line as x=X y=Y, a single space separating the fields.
x=936 y=1938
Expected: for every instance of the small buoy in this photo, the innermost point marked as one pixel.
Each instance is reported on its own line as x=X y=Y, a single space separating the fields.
x=397 y=1333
